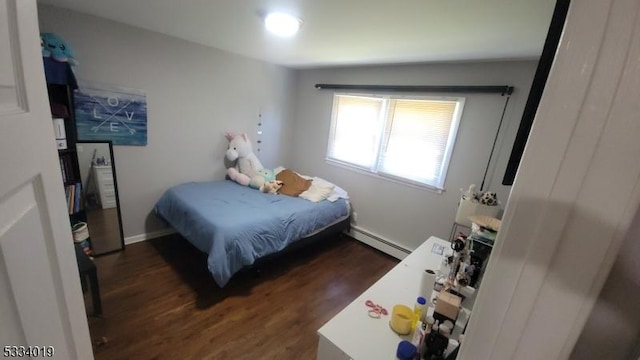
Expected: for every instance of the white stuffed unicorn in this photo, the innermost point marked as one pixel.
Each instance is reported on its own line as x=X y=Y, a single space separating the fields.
x=247 y=165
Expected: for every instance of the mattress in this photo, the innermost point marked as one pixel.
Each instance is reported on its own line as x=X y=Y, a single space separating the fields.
x=235 y=225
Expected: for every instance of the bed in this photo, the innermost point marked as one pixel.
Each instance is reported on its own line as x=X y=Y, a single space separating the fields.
x=236 y=225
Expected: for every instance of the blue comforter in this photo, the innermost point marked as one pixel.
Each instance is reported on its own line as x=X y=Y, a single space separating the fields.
x=236 y=225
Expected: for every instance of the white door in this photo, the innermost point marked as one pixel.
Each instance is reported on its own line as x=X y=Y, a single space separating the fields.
x=575 y=197
x=40 y=297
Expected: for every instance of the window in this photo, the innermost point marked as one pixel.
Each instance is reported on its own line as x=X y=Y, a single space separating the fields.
x=404 y=138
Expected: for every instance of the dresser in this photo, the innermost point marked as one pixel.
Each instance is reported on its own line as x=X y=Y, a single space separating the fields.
x=352 y=334
x=103 y=174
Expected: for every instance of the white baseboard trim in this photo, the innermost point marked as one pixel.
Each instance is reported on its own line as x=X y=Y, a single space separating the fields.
x=378 y=242
x=146 y=236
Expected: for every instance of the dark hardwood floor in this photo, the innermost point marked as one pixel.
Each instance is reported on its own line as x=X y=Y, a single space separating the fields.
x=160 y=302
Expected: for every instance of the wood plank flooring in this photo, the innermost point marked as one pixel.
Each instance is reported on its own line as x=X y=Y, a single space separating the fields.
x=160 y=302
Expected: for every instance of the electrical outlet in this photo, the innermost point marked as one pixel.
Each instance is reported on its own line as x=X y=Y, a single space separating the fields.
x=354 y=217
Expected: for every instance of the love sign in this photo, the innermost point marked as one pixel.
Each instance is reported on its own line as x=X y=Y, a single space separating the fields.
x=115 y=114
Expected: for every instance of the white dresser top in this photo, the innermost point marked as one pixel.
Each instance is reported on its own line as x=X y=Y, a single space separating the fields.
x=362 y=337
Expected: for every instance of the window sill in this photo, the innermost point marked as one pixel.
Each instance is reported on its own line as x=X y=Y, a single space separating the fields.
x=396 y=180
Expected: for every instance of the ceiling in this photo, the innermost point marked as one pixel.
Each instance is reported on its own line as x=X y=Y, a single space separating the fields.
x=344 y=32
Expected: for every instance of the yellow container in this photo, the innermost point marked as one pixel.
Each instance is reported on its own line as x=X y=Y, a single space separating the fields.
x=401 y=317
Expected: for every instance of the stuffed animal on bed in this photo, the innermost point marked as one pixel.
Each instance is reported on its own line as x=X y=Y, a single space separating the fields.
x=263 y=176
x=271 y=187
x=247 y=163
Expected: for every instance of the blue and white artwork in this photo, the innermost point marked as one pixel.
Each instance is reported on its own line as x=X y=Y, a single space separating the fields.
x=112 y=114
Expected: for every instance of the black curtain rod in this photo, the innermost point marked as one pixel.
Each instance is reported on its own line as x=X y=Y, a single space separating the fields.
x=411 y=88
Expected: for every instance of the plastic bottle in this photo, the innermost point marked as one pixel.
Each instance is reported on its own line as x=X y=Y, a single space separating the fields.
x=417 y=311
x=418 y=334
x=445 y=330
x=449 y=324
x=405 y=351
x=428 y=341
x=428 y=324
x=438 y=341
x=430 y=321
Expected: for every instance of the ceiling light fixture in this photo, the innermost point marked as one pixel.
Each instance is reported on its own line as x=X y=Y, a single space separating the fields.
x=282 y=24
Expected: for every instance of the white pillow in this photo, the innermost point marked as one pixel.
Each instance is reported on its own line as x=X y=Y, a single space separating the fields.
x=338 y=193
x=319 y=190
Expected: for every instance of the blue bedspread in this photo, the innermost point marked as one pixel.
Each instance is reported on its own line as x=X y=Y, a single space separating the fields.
x=236 y=225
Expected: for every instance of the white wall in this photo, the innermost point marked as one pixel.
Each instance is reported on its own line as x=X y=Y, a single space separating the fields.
x=194 y=94
x=399 y=213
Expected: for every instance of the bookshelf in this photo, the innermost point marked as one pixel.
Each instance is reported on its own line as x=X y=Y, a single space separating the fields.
x=61 y=83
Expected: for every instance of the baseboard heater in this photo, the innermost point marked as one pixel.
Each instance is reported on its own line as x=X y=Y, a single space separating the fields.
x=380 y=243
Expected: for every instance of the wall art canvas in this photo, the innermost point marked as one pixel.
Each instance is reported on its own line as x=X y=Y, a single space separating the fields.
x=111 y=113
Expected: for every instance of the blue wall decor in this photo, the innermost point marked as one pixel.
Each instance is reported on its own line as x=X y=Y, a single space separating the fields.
x=115 y=114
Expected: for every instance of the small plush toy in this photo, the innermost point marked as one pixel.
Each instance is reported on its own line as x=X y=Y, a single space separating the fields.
x=45 y=49
x=489 y=198
x=263 y=176
x=247 y=165
x=470 y=194
x=55 y=47
x=271 y=187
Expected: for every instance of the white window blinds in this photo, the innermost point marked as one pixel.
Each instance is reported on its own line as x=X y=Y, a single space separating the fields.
x=406 y=138
x=355 y=138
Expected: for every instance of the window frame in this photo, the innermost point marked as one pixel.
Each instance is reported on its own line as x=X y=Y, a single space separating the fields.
x=383 y=133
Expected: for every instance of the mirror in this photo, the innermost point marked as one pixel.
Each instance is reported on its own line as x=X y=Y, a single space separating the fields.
x=101 y=202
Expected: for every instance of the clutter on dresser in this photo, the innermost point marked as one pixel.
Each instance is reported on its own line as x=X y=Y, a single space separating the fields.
x=458 y=268
x=427 y=281
x=484 y=230
x=406 y=351
x=433 y=335
x=425 y=322
x=401 y=318
x=376 y=311
x=474 y=203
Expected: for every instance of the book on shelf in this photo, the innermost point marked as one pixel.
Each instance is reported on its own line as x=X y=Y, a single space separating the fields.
x=59 y=110
x=60 y=133
x=73 y=194
x=78 y=195
x=62 y=169
x=66 y=195
x=72 y=190
x=67 y=169
x=71 y=175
